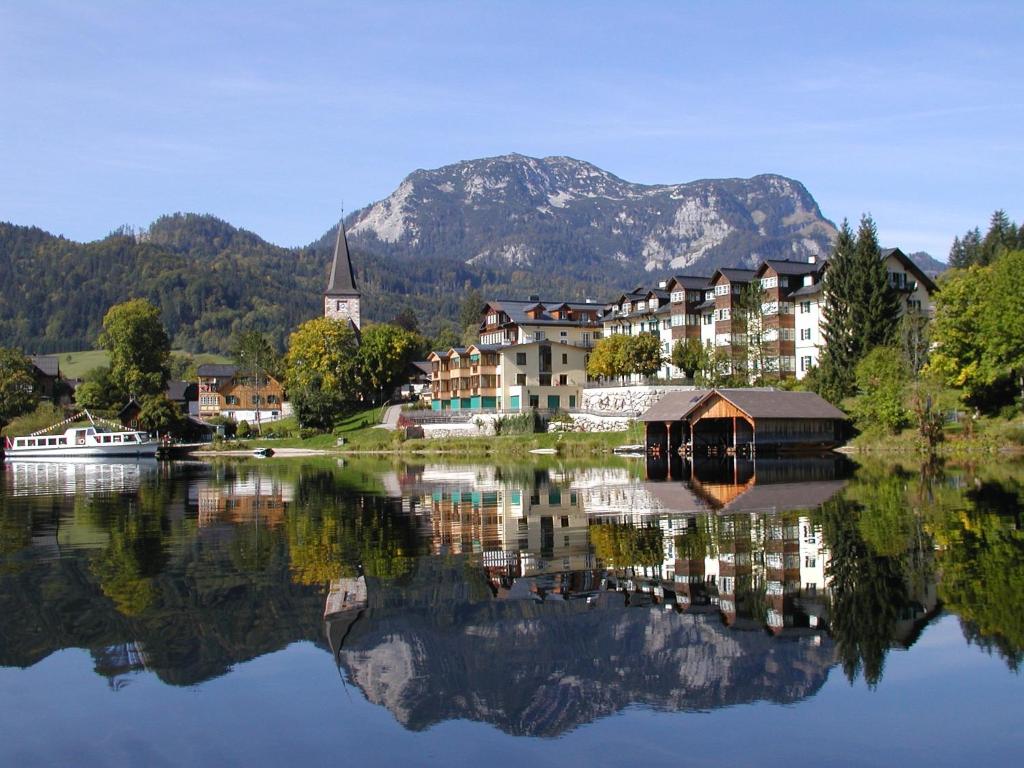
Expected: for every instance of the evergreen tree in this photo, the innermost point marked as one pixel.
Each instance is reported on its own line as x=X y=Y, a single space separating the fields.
x=838 y=358
x=861 y=310
x=876 y=317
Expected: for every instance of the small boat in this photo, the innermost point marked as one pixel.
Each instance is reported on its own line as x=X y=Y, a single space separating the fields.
x=629 y=450
x=544 y=451
x=263 y=453
x=79 y=442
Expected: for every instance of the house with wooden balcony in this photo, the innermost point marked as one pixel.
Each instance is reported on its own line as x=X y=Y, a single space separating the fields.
x=225 y=390
x=484 y=377
x=506 y=322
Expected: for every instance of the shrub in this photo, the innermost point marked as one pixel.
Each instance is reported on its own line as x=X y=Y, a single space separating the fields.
x=243 y=429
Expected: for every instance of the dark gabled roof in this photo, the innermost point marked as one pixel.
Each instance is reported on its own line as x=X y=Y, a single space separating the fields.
x=734 y=275
x=756 y=403
x=423 y=366
x=133 y=403
x=48 y=365
x=787 y=267
x=808 y=290
x=778 y=404
x=487 y=347
x=217 y=370
x=659 y=293
x=782 y=497
x=342 y=281
x=516 y=311
x=692 y=282
x=910 y=266
x=706 y=304
x=181 y=390
x=674 y=405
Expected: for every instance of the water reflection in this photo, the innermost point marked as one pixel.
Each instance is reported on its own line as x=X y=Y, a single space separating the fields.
x=532 y=598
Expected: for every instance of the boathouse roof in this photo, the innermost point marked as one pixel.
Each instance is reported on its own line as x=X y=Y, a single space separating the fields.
x=754 y=402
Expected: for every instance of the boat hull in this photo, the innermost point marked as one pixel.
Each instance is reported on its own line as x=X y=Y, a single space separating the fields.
x=43 y=453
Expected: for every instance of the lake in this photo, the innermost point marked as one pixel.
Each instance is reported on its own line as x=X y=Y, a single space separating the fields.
x=365 y=612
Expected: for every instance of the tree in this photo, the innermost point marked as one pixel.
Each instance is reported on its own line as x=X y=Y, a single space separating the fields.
x=446 y=338
x=605 y=360
x=406 y=319
x=978 y=331
x=139 y=349
x=255 y=357
x=860 y=310
x=641 y=355
x=838 y=356
x=321 y=370
x=755 y=358
x=159 y=414
x=17 y=386
x=915 y=341
x=384 y=355
x=96 y=390
x=689 y=356
x=881 y=380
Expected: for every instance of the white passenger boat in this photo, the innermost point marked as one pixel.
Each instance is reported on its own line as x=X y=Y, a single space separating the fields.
x=84 y=441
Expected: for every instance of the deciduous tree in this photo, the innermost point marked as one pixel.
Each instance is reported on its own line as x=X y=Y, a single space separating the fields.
x=139 y=349
x=17 y=386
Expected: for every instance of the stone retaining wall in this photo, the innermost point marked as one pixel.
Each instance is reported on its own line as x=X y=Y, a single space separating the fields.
x=626 y=401
x=585 y=422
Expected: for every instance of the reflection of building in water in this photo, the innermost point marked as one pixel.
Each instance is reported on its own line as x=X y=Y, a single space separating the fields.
x=253 y=499
x=42 y=478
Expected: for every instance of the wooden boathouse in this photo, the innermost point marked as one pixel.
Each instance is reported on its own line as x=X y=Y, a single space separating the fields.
x=730 y=421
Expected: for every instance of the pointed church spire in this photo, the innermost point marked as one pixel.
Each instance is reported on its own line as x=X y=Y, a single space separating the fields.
x=342 y=281
x=341 y=299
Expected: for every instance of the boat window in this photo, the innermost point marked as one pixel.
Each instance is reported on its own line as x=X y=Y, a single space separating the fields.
x=51 y=441
x=30 y=443
x=106 y=438
x=117 y=438
x=62 y=441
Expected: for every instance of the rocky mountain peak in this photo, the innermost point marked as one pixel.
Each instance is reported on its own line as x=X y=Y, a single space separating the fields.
x=514 y=211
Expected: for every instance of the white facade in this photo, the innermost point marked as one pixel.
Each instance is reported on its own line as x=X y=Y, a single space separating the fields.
x=808 y=333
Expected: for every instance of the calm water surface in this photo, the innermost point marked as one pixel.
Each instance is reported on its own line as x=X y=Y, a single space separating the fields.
x=323 y=612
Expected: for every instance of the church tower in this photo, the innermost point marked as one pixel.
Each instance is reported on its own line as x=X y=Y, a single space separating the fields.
x=341 y=299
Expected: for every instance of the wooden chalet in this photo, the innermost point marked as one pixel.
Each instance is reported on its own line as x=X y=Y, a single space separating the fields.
x=728 y=421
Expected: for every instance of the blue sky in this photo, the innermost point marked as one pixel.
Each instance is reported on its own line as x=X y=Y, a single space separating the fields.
x=272 y=115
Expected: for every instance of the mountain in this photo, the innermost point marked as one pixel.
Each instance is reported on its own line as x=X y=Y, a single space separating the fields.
x=506 y=226
x=928 y=263
x=522 y=214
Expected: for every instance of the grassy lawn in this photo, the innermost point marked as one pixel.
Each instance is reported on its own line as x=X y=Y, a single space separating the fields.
x=987 y=434
x=360 y=435
x=74 y=365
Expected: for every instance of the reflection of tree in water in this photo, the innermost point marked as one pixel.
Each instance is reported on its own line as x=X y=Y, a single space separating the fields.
x=136 y=551
x=982 y=565
x=624 y=545
x=867 y=593
x=332 y=534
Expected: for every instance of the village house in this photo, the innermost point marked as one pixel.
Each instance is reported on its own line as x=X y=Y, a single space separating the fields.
x=643 y=311
x=226 y=391
x=538 y=374
x=522 y=322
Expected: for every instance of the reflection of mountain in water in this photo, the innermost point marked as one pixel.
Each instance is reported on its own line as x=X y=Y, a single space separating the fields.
x=441 y=647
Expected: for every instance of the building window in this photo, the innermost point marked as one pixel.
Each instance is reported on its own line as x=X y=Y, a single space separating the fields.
x=539 y=336
x=520 y=358
x=708 y=318
x=678 y=297
x=805 y=307
x=545 y=379
x=678 y=320
x=769 y=282
x=723 y=314
x=572 y=401
x=535 y=401
x=563 y=334
x=565 y=359
x=521 y=379
x=805 y=363
x=722 y=289
x=563 y=379
x=805 y=334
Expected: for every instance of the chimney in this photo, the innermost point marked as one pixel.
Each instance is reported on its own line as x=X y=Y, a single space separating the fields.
x=589 y=301
x=812 y=259
x=534 y=297
x=663 y=283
